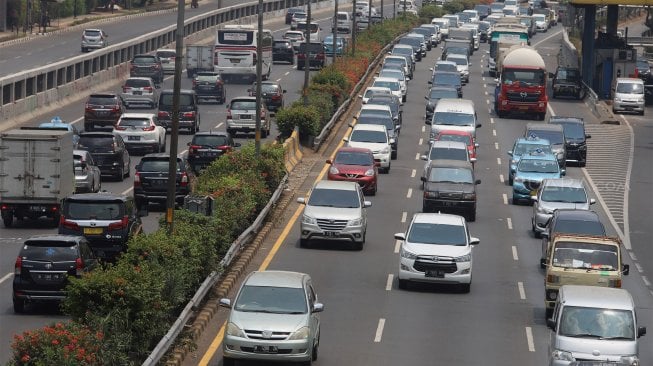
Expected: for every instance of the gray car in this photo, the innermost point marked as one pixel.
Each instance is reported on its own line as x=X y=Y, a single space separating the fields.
x=335 y=210
x=139 y=91
x=555 y=194
x=275 y=317
x=93 y=39
x=87 y=174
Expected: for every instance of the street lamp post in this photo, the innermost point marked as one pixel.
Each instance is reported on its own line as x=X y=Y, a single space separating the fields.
x=75 y=10
x=335 y=30
x=354 y=30
x=259 y=71
x=307 y=51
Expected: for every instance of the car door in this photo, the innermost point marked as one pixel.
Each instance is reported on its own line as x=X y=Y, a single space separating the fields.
x=120 y=145
x=88 y=258
x=94 y=171
x=314 y=317
x=361 y=198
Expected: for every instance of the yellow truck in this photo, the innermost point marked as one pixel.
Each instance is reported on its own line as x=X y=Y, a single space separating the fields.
x=574 y=259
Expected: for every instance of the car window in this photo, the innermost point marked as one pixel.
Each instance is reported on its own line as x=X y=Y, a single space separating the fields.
x=134 y=122
x=92 y=33
x=630 y=88
x=278 y=300
x=166 y=54
x=184 y=99
x=87 y=210
x=353 y=158
x=443 y=93
x=369 y=136
x=564 y=194
x=579 y=227
x=585 y=256
x=376 y=119
x=458 y=60
x=339 y=198
x=102 y=100
x=312 y=47
x=573 y=130
x=445 y=67
x=438 y=234
x=554 y=137
x=392 y=85
x=446 y=79
x=144 y=59
x=538 y=166
x=137 y=83
x=207 y=77
x=453 y=175
x=453 y=119
x=49 y=250
x=243 y=104
x=577 y=321
x=522 y=149
x=156 y=165
x=450 y=137
x=96 y=143
x=210 y=140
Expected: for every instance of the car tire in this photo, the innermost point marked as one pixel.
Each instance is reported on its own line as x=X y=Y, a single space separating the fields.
x=510 y=180
x=535 y=232
x=471 y=216
x=19 y=306
x=403 y=98
x=304 y=243
x=548 y=313
x=393 y=155
x=316 y=351
x=465 y=287
x=228 y=361
x=121 y=174
x=515 y=200
x=8 y=220
x=541 y=116
x=403 y=284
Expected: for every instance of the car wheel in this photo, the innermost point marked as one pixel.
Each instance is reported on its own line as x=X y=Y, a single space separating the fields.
x=393 y=156
x=510 y=180
x=19 y=306
x=535 y=232
x=541 y=116
x=304 y=243
x=403 y=98
x=515 y=200
x=465 y=287
x=163 y=146
x=316 y=351
x=228 y=361
x=471 y=216
x=8 y=220
x=99 y=187
x=403 y=284
x=121 y=174
x=548 y=312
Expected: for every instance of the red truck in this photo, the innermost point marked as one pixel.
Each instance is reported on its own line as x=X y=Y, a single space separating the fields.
x=521 y=87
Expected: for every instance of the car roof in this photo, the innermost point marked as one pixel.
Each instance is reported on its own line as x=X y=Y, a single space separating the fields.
x=531 y=141
x=379 y=88
x=244 y=98
x=399 y=45
x=445 y=62
x=97 y=134
x=182 y=91
x=55 y=237
x=540 y=156
x=455 y=132
x=353 y=149
x=630 y=80
x=99 y=196
x=93 y=29
x=211 y=133
x=139 y=78
x=448 y=145
x=438 y=218
x=276 y=279
x=562 y=119
x=596 y=297
x=158 y=156
x=444 y=87
x=543 y=126
x=104 y=95
x=137 y=115
x=336 y=184
x=573 y=214
x=369 y=127
x=166 y=50
x=449 y=163
x=376 y=107
x=563 y=182
x=453 y=104
x=381 y=78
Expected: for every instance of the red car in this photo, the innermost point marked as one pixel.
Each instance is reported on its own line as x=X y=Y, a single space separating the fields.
x=462 y=136
x=356 y=165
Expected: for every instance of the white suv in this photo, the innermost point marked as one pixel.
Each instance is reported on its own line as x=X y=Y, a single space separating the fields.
x=335 y=210
x=375 y=138
x=93 y=39
x=436 y=248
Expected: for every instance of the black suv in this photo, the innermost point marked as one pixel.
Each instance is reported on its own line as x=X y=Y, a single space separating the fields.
x=449 y=187
x=316 y=55
x=208 y=146
x=271 y=93
x=108 y=151
x=575 y=138
x=147 y=66
x=102 y=109
x=209 y=85
x=189 y=114
x=43 y=265
x=107 y=220
x=567 y=81
x=283 y=51
x=151 y=179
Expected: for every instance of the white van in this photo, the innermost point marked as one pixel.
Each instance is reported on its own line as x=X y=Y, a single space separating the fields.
x=592 y=323
x=454 y=20
x=315 y=30
x=443 y=23
x=343 y=22
x=628 y=95
x=453 y=114
x=410 y=5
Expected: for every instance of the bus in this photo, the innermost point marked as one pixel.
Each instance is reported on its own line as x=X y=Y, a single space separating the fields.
x=235 y=52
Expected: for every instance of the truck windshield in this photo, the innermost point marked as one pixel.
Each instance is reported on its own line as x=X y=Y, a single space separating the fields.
x=586 y=256
x=523 y=77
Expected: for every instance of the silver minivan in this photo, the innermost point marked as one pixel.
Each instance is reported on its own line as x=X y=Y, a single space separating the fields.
x=275 y=317
x=594 y=324
x=628 y=95
x=454 y=114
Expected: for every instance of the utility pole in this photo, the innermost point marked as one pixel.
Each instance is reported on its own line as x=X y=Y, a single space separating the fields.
x=369 y=14
x=354 y=30
x=259 y=72
x=308 y=53
x=404 y=9
x=394 y=9
x=382 y=17
x=174 y=137
x=335 y=30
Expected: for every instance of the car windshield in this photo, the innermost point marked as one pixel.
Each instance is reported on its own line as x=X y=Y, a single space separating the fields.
x=377 y=120
x=156 y=165
x=377 y=137
x=585 y=322
x=438 y=234
x=96 y=144
x=48 y=250
x=446 y=79
x=538 y=166
x=402 y=51
x=564 y=194
x=134 y=122
x=456 y=50
x=392 y=85
x=522 y=149
x=395 y=74
x=443 y=93
x=269 y=299
x=586 y=256
x=579 y=227
x=210 y=140
x=243 y=105
x=554 y=137
x=630 y=88
x=451 y=175
x=524 y=77
x=447 y=153
x=89 y=210
x=451 y=137
x=573 y=130
x=568 y=74
x=339 y=198
x=137 y=83
x=453 y=119
x=446 y=67
x=267 y=88
x=353 y=158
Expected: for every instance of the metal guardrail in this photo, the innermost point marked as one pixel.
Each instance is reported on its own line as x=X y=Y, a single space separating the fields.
x=236 y=247
x=640 y=41
x=592 y=98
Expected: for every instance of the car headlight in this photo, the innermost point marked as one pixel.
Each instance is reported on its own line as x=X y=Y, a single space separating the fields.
x=617 y=99
x=385 y=150
x=333 y=170
x=464 y=72
x=463 y=258
x=299 y=334
x=469 y=196
x=369 y=173
x=630 y=360
x=562 y=355
x=543 y=210
x=514 y=162
x=308 y=220
x=406 y=254
x=355 y=222
x=518 y=179
x=233 y=330
x=392 y=140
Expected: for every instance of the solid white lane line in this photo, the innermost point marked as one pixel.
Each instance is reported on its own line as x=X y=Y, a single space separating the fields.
x=421 y=141
x=397 y=246
x=522 y=293
x=496 y=146
x=529 y=339
x=646 y=281
x=514 y=253
x=494 y=132
x=126 y=191
x=218 y=125
x=639 y=267
x=6 y=277
x=410 y=193
x=499 y=161
x=388 y=284
x=379 y=331
x=412 y=174
x=403 y=216
x=417 y=156
x=505 y=199
x=501 y=178
x=509 y=222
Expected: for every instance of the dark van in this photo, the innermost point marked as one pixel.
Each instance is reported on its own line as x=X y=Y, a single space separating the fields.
x=189 y=114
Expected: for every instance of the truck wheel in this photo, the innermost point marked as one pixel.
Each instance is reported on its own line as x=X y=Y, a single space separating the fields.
x=8 y=220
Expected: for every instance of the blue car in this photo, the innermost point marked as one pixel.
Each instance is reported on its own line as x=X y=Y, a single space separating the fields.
x=58 y=123
x=340 y=45
x=524 y=146
x=531 y=170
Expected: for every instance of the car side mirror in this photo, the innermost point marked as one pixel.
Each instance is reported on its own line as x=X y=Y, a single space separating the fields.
x=224 y=302
x=641 y=331
x=479 y=125
x=424 y=157
x=551 y=324
x=345 y=139
x=476 y=145
x=367 y=204
x=188 y=143
x=509 y=152
x=592 y=201
x=423 y=179
x=400 y=236
x=474 y=241
x=329 y=161
x=430 y=82
x=626 y=269
x=588 y=136
x=551 y=75
x=427 y=98
x=478 y=181
x=318 y=307
x=360 y=96
x=563 y=171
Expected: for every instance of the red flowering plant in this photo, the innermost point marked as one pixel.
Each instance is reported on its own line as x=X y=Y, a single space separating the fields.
x=62 y=344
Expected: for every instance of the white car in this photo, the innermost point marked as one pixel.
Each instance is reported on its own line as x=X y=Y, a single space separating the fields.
x=541 y=24
x=297 y=17
x=396 y=74
x=295 y=38
x=462 y=65
x=141 y=132
x=474 y=17
x=374 y=90
x=436 y=248
x=399 y=60
x=375 y=138
x=393 y=84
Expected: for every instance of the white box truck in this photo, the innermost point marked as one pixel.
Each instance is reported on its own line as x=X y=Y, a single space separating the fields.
x=36 y=173
x=199 y=58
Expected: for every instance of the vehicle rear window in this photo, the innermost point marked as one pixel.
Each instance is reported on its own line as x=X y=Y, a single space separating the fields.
x=243 y=104
x=135 y=122
x=209 y=140
x=312 y=47
x=579 y=227
x=166 y=54
x=442 y=93
x=392 y=85
x=96 y=143
x=235 y=37
x=538 y=166
x=156 y=165
x=184 y=99
x=102 y=100
x=144 y=60
x=446 y=79
x=446 y=153
x=54 y=251
x=92 y=33
x=585 y=256
x=453 y=119
x=137 y=83
x=88 y=210
x=208 y=77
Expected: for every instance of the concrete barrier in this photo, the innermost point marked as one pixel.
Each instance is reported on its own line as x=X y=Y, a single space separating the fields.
x=292 y=151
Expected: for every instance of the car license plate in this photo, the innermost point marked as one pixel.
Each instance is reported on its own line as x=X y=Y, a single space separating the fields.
x=138 y=92
x=235 y=60
x=36 y=208
x=447 y=203
x=159 y=182
x=331 y=234
x=266 y=349
x=245 y=116
x=92 y=230
x=49 y=276
x=523 y=108
x=437 y=274
x=102 y=113
x=133 y=138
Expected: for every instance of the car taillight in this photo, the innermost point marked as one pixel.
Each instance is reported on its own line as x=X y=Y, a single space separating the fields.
x=68 y=224
x=254 y=58
x=151 y=128
x=4 y=207
x=184 y=179
x=79 y=266
x=87 y=107
x=137 y=179
x=188 y=115
x=194 y=83
x=229 y=114
x=119 y=128
x=193 y=149
x=276 y=97
x=223 y=147
x=163 y=114
x=148 y=88
x=156 y=66
x=122 y=224
x=18 y=266
x=218 y=82
x=115 y=108
x=125 y=89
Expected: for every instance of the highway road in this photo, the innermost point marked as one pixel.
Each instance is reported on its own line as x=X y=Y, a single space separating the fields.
x=369 y=321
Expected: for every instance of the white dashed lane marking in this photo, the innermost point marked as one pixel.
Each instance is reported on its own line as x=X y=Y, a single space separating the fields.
x=379 y=331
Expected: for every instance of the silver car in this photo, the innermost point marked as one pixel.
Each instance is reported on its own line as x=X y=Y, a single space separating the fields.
x=335 y=210
x=275 y=317
x=554 y=194
x=87 y=174
x=139 y=91
x=167 y=57
x=94 y=39
x=241 y=116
